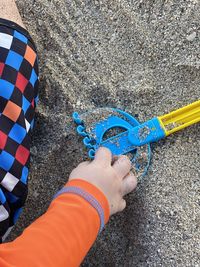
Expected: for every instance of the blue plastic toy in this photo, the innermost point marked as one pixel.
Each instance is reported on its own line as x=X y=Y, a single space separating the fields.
x=134 y=138
x=101 y=123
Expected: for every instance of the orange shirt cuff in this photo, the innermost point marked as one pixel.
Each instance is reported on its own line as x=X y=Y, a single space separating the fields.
x=95 y=192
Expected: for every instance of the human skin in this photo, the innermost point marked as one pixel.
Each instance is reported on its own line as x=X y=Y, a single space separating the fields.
x=113 y=178
x=9 y=11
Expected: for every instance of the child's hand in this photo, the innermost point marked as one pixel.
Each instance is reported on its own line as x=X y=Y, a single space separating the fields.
x=114 y=179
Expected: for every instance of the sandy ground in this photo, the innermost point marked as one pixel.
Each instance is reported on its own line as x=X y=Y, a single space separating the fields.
x=141 y=56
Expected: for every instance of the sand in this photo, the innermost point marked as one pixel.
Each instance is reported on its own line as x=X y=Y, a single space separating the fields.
x=140 y=56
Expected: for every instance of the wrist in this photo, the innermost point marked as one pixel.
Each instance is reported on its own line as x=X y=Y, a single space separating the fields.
x=91 y=194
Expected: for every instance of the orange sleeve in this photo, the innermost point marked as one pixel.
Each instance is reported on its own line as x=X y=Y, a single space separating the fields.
x=62 y=236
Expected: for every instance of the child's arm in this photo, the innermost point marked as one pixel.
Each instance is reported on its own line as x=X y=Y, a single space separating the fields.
x=65 y=233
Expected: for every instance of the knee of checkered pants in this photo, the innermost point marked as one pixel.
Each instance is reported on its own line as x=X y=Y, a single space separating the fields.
x=18 y=98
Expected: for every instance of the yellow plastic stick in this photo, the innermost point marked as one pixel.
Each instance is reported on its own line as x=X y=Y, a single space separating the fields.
x=181 y=118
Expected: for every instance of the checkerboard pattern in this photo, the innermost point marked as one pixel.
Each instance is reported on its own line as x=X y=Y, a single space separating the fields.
x=18 y=98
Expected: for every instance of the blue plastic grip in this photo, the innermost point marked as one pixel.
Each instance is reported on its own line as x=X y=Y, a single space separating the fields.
x=76 y=118
x=147 y=132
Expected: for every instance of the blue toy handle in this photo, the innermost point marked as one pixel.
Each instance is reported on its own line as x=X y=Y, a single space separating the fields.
x=147 y=132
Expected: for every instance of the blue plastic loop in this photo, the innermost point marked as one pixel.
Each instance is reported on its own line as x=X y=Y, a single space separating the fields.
x=76 y=118
x=81 y=130
x=87 y=142
x=91 y=153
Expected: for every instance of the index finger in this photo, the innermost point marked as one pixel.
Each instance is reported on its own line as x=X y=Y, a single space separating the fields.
x=104 y=156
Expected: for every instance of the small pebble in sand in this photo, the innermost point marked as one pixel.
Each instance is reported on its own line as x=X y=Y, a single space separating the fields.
x=191 y=36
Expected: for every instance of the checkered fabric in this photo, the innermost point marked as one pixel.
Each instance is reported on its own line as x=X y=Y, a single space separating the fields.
x=18 y=98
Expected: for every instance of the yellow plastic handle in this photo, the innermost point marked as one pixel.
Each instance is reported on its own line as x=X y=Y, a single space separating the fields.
x=180 y=118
